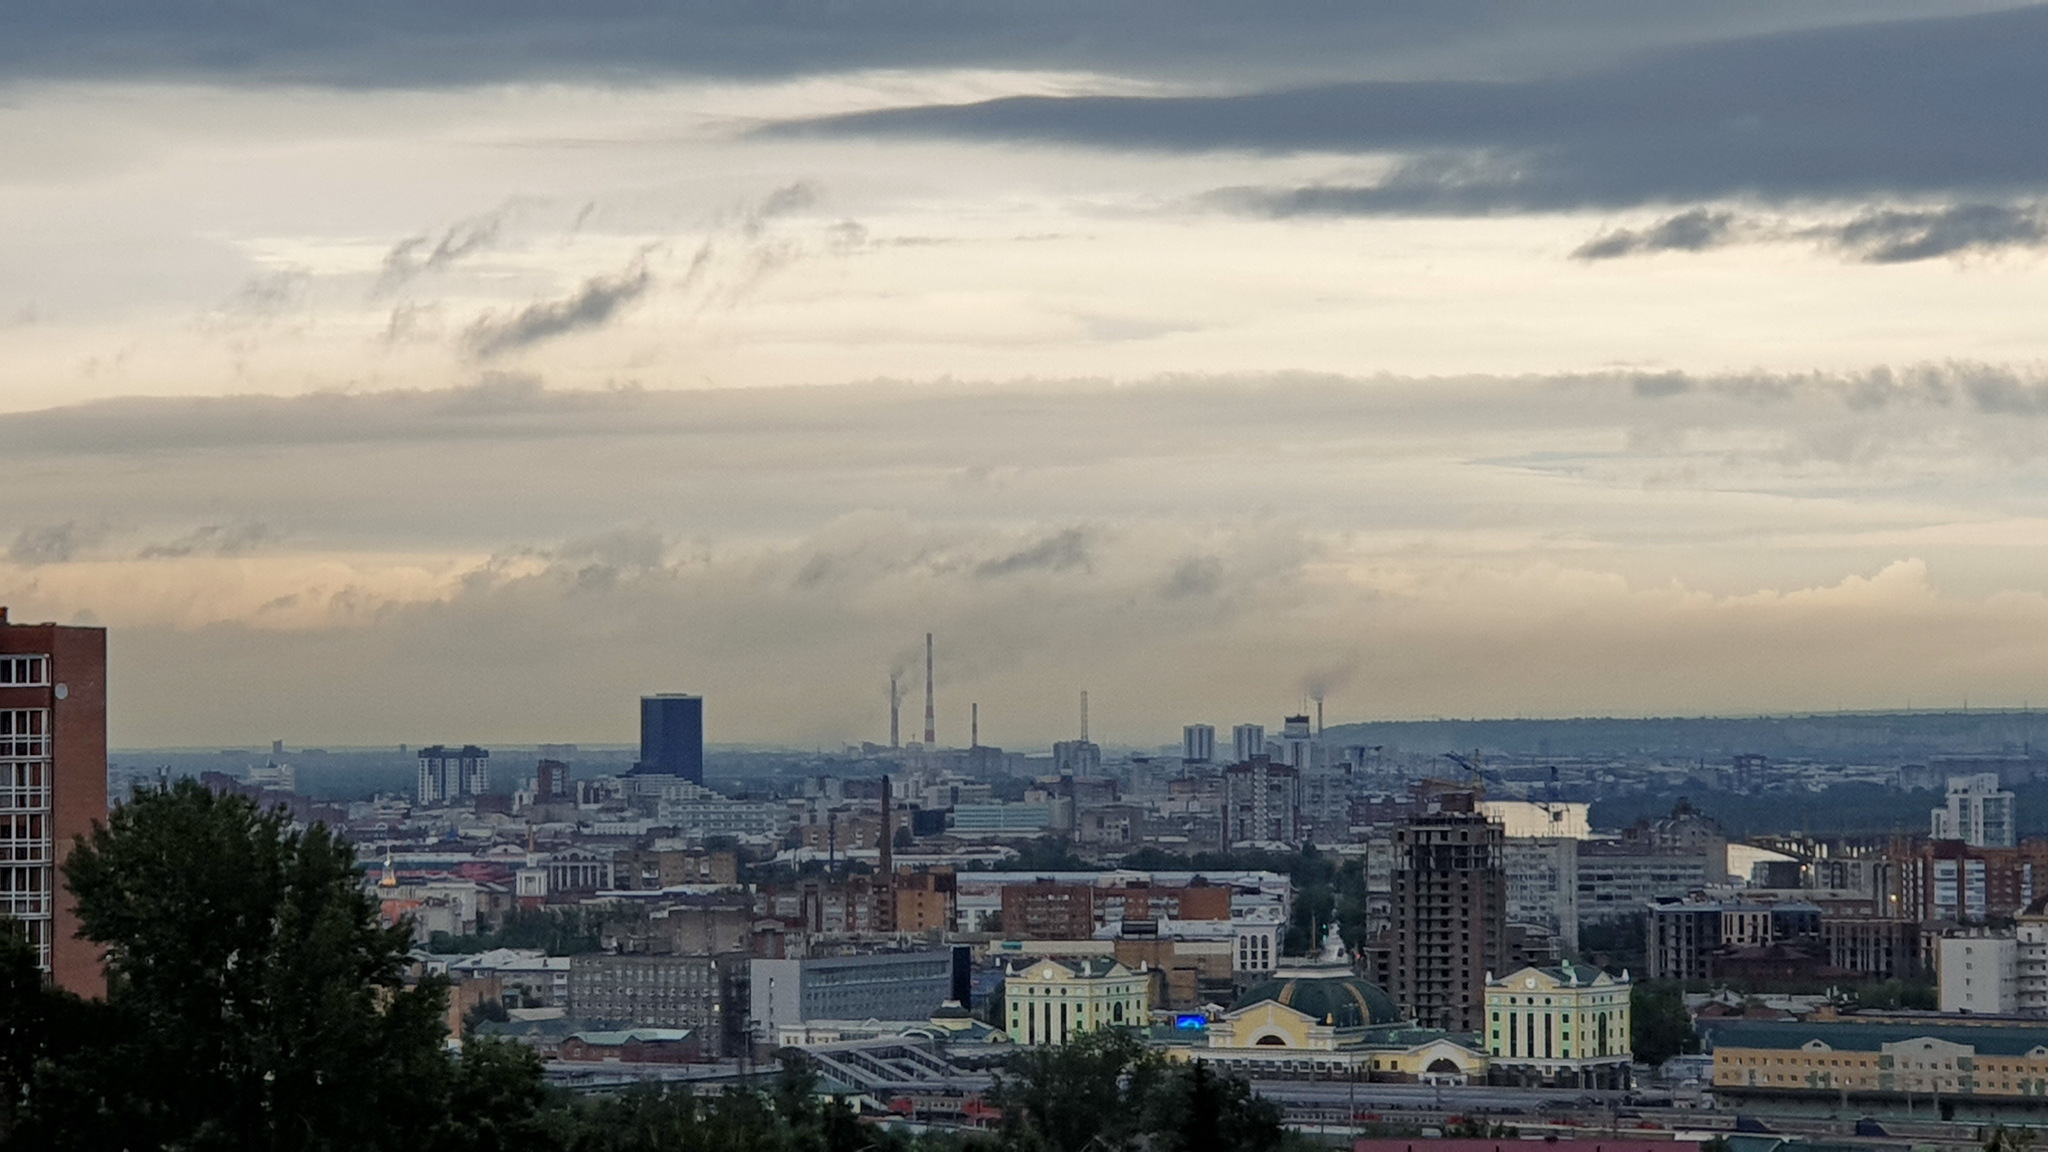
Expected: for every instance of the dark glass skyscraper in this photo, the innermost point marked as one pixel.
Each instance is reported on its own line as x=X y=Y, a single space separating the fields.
x=672 y=736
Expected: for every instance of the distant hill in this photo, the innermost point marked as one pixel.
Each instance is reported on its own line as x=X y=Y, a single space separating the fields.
x=1865 y=737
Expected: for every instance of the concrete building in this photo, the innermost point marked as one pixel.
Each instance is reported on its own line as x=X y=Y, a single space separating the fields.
x=1978 y=813
x=1198 y=744
x=1692 y=939
x=1953 y=881
x=647 y=869
x=884 y=986
x=1054 y=910
x=2030 y=930
x=672 y=736
x=706 y=994
x=1978 y=974
x=449 y=775
x=1565 y=1026
x=1247 y=741
x=1050 y=1001
x=526 y=978
x=1450 y=914
x=1076 y=757
x=1297 y=744
x=1001 y=819
x=53 y=785
x=1543 y=885
x=1617 y=879
x=1261 y=803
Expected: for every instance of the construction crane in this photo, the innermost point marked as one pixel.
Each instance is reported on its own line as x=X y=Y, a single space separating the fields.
x=1476 y=775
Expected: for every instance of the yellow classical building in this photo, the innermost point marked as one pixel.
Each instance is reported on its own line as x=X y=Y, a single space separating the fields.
x=1050 y=1001
x=1316 y=1016
x=1563 y=1026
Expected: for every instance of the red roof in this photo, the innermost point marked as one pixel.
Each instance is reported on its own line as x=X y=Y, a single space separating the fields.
x=1539 y=1145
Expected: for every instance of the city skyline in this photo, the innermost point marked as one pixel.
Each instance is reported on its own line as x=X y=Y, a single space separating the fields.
x=1449 y=359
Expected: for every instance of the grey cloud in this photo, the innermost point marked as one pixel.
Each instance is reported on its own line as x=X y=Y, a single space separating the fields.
x=1692 y=231
x=413 y=255
x=271 y=293
x=1193 y=577
x=1895 y=237
x=414 y=43
x=1945 y=105
x=784 y=201
x=592 y=306
x=237 y=539
x=1062 y=551
x=622 y=548
x=1874 y=236
x=50 y=543
x=2004 y=394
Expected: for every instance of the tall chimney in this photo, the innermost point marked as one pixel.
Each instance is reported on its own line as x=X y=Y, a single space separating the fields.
x=931 y=732
x=885 y=898
x=895 y=714
x=1319 y=717
x=1084 y=716
x=974 y=725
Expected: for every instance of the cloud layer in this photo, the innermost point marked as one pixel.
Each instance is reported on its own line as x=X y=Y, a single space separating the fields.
x=1939 y=105
x=1468 y=546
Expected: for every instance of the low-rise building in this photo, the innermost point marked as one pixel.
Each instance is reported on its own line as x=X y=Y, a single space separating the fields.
x=1559 y=1027
x=1981 y=1063
x=884 y=986
x=632 y=1046
x=706 y=994
x=638 y=870
x=1050 y=1001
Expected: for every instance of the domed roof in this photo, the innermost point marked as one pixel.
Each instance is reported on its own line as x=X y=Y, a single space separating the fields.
x=1345 y=1001
x=1325 y=989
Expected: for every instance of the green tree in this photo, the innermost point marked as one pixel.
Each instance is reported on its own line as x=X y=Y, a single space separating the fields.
x=1659 y=1025
x=1196 y=1110
x=247 y=973
x=1106 y=1090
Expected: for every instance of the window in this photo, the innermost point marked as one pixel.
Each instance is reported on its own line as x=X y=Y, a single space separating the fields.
x=24 y=671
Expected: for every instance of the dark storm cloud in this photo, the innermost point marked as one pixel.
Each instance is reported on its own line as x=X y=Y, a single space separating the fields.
x=592 y=306
x=439 y=42
x=1901 y=109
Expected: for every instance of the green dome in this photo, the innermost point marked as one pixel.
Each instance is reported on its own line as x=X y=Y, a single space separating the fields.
x=1345 y=1001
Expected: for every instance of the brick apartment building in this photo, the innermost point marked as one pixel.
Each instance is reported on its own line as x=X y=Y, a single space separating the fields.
x=53 y=784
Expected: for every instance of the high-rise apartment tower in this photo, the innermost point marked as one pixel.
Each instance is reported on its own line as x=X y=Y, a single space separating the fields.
x=1450 y=913
x=53 y=784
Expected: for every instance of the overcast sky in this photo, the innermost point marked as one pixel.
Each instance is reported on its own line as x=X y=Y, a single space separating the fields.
x=391 y=371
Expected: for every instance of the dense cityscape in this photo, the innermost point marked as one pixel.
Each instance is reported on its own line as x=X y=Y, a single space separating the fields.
x=1376 y=940
x=996 y=576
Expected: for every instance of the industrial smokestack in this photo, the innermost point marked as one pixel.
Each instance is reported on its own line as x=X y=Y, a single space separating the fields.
x=895 y=714
x=974 y=721
x=1084 y=717
x=931 y=732
x=885 y=913
x=1319 y=717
